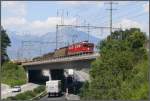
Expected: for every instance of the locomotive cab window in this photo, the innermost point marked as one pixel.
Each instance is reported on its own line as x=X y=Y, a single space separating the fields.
x=85 y=45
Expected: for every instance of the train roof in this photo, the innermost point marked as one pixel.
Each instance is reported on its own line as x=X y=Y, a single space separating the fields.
x=61 y=47
x=75 y=43
x=81 y=42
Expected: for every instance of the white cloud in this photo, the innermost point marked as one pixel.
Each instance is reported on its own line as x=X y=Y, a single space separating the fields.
x=124 y=24
x=79 y=3
x=49 y=24
x=127 y=23
x=13 y=21
x=16 y=8
x=39 y=27
x=146 y=7
x=125 y=3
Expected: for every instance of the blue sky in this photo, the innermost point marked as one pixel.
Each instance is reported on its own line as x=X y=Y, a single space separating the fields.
x=40 y=17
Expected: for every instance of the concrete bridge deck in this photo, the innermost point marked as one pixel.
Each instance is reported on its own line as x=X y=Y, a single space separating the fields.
x=73 y=62
x=63 y=59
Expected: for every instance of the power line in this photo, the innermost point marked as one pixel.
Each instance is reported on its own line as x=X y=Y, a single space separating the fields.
x=104 y=16
x=127 y=15
x=28 y=46
x=62 y=22
x=88 y=27
x=128 y=4
x=136 y=16
x=130 y=12
x=111 y=9
x=93 y=27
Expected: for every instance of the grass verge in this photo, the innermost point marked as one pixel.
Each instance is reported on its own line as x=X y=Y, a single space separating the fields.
x=28 y=94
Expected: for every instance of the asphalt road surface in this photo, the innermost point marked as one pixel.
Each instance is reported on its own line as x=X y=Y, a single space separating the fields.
x=80 y=76
x=46 y=98
x=6 y=91
x=69 y=97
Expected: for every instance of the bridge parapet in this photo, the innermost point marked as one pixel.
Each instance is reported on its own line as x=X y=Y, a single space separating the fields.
x=64 y=59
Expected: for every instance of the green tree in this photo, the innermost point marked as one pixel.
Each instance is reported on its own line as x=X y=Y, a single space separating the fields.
x=5 y=42
x=114 y=75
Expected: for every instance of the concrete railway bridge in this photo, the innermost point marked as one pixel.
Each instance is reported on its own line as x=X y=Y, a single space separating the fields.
x=51 y=69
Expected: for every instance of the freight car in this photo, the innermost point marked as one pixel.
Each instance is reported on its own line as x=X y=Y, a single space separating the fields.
x=61 y=52
x=44 y=57
x=83 y=47
x=37 y=58
x=48 y=56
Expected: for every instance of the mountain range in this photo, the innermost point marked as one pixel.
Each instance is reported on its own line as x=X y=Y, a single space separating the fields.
x=29 y=46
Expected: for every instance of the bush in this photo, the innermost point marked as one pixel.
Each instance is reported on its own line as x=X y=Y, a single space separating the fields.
x=39 y=89
x=84 y=90
x=13 y=74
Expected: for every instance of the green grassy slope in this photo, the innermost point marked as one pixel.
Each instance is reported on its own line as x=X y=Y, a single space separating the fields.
x=13 y=74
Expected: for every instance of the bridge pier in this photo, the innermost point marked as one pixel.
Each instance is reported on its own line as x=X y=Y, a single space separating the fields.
x=50 y=77
x=47 y=72
x=27 y=75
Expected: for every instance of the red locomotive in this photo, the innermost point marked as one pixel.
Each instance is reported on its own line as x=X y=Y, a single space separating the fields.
x=75 y=49
x=83 y=47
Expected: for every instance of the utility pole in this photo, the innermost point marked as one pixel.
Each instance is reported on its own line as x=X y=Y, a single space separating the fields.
x=121 y=31
x=77 y=19
x=62 y=17
x=18 y=54
x=40 y=48
x=22 y=50
x=56 y=36
x=102 y=33
x=73 y=38
x=110 y=17
x=57 y=13
x=88 y=32
x=111 y=9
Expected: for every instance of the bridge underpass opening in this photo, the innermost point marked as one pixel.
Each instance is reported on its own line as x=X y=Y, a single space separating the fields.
x=35 y=76
x=58 y=74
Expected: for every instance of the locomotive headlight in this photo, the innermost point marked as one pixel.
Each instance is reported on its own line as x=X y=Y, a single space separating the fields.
x=88 y=48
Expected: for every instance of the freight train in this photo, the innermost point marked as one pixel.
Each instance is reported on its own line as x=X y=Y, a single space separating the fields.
x=79 y=48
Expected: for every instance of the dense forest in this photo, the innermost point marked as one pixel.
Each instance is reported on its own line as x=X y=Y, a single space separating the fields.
x=121 y=71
